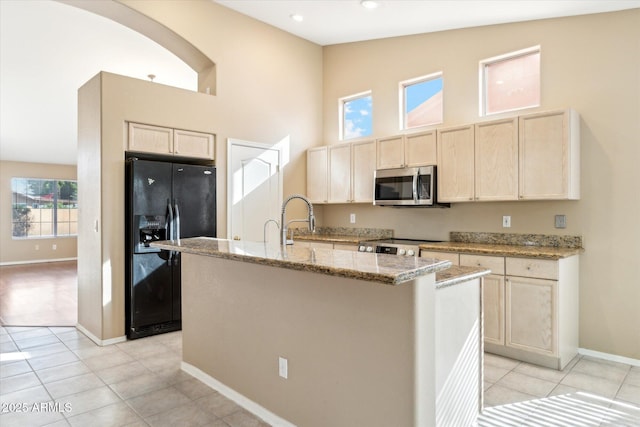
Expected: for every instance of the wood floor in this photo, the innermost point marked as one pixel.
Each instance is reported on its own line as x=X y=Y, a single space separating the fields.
x=43 y=294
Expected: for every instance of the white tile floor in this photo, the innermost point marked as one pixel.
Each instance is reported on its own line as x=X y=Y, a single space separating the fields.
x=139 y=383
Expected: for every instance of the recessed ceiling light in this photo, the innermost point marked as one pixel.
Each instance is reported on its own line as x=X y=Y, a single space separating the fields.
x=369 y=4
x=296 y=17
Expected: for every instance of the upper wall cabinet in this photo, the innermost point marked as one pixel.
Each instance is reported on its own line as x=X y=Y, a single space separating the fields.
x=479 y=162
x=418 y=149
x=550 y=156
x=496 y=160
x=341 y=173
x=531 y=157
x=363 y=165
x=456 y=179
x=318 y=174
x=161 y=140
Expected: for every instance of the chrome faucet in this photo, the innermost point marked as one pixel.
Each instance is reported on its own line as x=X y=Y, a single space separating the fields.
x=284 y=226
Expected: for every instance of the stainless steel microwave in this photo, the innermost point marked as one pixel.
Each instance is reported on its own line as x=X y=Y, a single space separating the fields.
x=406 y=187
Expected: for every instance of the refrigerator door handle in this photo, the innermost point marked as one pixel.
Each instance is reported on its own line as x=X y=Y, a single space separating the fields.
x=170 y=228
x=177 y=227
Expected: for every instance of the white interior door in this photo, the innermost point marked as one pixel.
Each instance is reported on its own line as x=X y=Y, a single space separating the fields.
x=255 y=190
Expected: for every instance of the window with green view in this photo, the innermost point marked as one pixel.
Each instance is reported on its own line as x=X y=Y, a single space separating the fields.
x=44 y=208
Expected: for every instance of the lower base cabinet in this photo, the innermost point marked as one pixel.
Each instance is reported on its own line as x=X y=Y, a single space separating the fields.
x=493 y=308
x=530 y=306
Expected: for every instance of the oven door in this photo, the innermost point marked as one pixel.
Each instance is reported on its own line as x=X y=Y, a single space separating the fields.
x=395 y=187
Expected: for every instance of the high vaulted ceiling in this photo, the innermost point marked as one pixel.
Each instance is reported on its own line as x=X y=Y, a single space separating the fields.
x=327 y=22
x=49 y=49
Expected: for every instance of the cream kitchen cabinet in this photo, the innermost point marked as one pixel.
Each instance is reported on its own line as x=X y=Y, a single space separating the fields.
x=363 y=165
x=549 y=144
x=456 y=171
x=496 y=160
x=530 y=307
x=341 y=173
x=492 y=295
x=318 y=174
x=478 y=162
x=167 y=141
x=409 y=150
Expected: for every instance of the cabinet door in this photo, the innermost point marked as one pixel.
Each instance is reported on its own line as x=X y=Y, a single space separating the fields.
x=456 y=164
x=496 y=161
x=363 y=165
x=531 y=321
x=317 y=174
x=493 y=308
x=549 y=156
x=150 y=139
x=390 y=152
x=420 y=149
x=340 y=173
x=193 y=144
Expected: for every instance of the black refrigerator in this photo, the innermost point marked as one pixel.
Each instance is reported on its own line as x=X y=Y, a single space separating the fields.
x=164 y=201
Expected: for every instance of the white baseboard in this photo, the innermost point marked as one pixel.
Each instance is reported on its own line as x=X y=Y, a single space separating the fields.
x=97 y=340
x=608 y=356
x=238 y=398
x=37 y=261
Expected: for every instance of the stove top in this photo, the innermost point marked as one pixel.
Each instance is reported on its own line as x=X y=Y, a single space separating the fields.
x=406 y=247
x=401 y=241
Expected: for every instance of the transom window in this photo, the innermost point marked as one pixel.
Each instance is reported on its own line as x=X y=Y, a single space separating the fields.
x=356 y=115
x=44 y=207
x=421 y=101
x=510 y=82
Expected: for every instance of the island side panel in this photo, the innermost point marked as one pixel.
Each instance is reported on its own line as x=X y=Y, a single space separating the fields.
x=350 y=344
x=459 y=359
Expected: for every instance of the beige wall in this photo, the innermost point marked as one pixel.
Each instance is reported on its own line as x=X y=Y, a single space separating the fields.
x=269 y=83
x=14 y=251
x=269 y=89
x=590 y=63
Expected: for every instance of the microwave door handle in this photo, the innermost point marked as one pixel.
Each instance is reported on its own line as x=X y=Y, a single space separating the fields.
x=415 y=186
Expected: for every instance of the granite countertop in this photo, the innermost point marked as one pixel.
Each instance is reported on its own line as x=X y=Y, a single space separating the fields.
x=544 y=252
x=329 y=238
x=458 y=274
x=381 y=268
x=344 y=235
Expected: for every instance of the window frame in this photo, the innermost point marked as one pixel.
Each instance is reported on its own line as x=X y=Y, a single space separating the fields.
x=483 y=81
x=402 y=98
x=55 y=208
x=341 y=114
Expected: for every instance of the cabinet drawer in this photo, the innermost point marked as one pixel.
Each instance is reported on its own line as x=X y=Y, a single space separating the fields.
x=530 y=267
x=448 y=256
x=493 y=263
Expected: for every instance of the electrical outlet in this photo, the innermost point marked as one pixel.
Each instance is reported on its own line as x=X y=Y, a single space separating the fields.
x=352 y=218
x=283 y=367
x=54 y=246
x=506 y=221
x=561 y=221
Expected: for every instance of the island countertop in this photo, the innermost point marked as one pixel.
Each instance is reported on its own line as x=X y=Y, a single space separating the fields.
x=381 y=268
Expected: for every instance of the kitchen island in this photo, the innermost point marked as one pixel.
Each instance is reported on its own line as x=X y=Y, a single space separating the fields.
x=319 y=337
